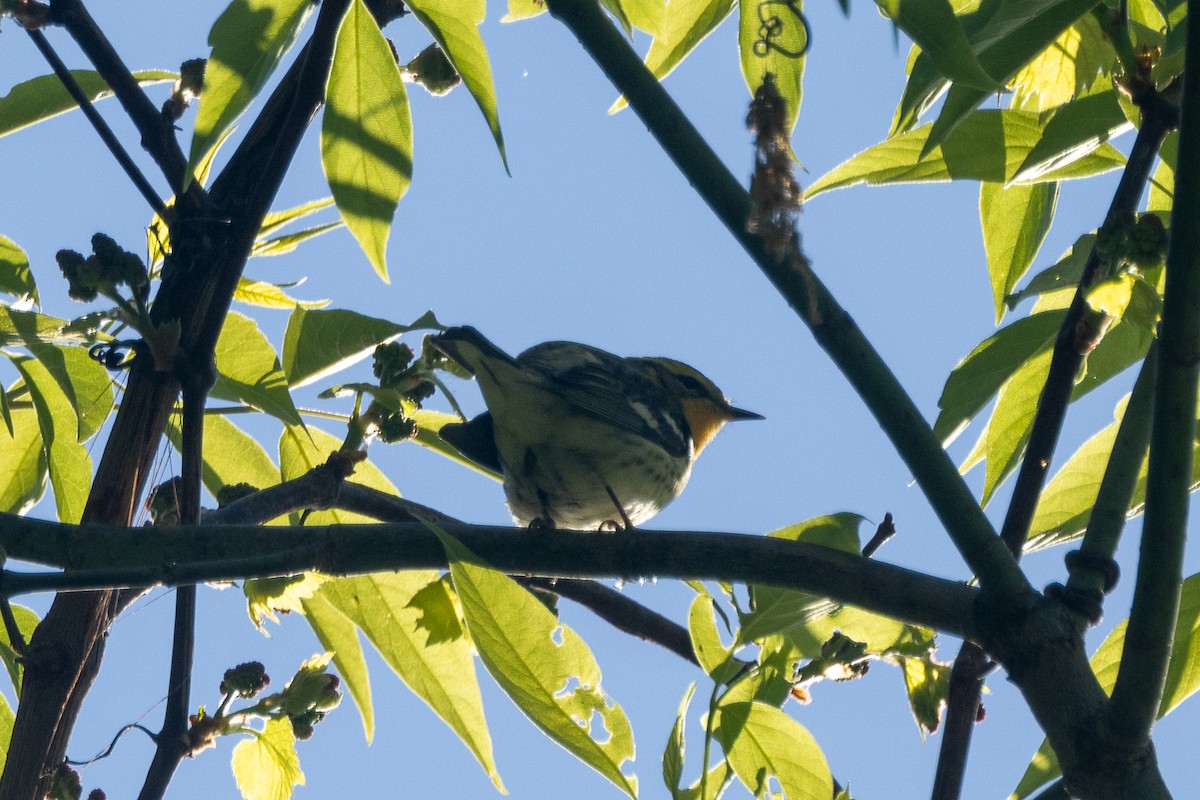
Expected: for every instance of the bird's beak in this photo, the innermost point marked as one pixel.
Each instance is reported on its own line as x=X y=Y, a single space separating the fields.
x=732 y=414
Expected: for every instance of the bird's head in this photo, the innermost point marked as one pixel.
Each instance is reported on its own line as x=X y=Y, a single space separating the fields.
x=704 y=405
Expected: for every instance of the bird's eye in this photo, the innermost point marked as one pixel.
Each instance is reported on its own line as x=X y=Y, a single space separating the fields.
x=693 y=385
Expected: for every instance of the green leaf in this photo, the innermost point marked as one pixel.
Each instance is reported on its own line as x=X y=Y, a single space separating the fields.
x=524 y=9
x=684 y=25
x=281 y=245
x=249 y=372
x=68 y=461
x=41 y=98
x=30 y=328
x=6 y=411
x=86 y=385
x=1162 y=184
x=338 y=635
x=15 y=276
x=1074 y=130
x=928 y=685
x=1066 y=503
x=646 y=15
x=1011 y=422
x=1112 y=295
x=1018 y=31
x=977 y=378
x=543 y=666
x=715 y=658
x=269 y=295
x=366 y=133
x=933 y=27
x=783 y=610
x=454 y=24
x=320 y=343
x=439 y=670
x=7 y=720
x=266 y=765
x=23 y=469
x=302 y=449
x=1015 y=221
x=1183 y=679
x=1063 y=274
x=762 y=743
x=772 y=37
x=248 y=41
x=277 y=220
x=1070 y=67
x=673 y=753
x=988 y=146
x=284 y=594
x=231 y=455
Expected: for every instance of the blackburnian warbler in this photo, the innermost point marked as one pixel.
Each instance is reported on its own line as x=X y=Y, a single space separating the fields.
x=584 y=438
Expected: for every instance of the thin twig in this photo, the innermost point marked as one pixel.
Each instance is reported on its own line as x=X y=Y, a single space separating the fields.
x=1159 y=117
x=16 y=640
x=623 y=613
x=172 y=745
x=106 y=134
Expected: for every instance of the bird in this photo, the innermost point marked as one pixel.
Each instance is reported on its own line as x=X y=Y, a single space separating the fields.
x=585 y=440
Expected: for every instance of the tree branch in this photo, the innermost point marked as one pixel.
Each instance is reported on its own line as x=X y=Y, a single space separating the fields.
x=1143 y=671
x=101 y=127
x=157 y=132
x=114 y=556
x=1071 y=346
x=1111 y=509
x=1076 y=339
x=832 y=327
x=624 y=614
x=210 y=244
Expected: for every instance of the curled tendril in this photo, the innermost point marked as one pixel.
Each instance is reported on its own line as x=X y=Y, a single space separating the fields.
x=115 y=355
x=773 y=27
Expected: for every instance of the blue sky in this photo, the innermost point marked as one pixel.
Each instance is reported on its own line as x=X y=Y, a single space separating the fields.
x=596 y=238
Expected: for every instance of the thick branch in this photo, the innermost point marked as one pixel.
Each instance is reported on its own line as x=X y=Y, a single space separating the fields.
x=833 y=328
x=111 y=556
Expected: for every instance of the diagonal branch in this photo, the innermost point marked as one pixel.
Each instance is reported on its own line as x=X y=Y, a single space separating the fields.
x=832 y=327
x=1143 y=671
x=1075 y=337
x=93 y=116
x=157 y=132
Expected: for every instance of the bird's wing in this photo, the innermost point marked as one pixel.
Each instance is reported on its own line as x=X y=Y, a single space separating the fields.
x=610 y=388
